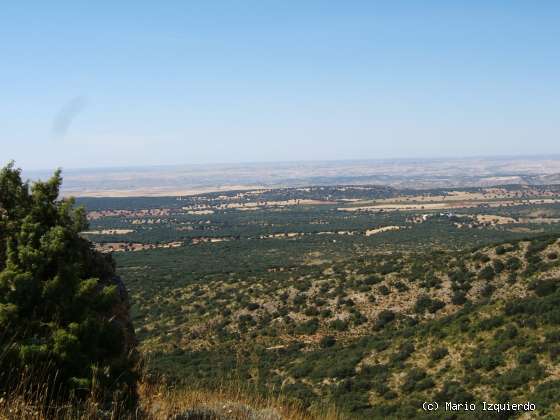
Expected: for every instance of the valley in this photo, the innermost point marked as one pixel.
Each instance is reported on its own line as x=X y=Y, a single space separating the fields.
x=360 y=295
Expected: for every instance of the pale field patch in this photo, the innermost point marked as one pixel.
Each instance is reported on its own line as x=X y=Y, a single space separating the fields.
x=208 y=239
x=459 y=204
x=127 y=246
x=200 y=212
x=94 y=215
x=396 y=207
x=146 y=221
x=108 y=232
x=370 y=232
x=258 y=204
x=485 y=195
x=540 y=220
x=497 y=220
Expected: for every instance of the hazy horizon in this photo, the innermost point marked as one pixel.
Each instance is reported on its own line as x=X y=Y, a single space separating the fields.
x=529 y=157
x=173 y=180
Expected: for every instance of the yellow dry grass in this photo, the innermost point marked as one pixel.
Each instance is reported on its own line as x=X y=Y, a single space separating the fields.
x=161 y=401
x=233 y=402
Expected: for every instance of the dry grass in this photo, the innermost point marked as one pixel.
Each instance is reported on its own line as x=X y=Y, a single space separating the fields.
x=159 y=401
x=235 y=402
x=34 y=400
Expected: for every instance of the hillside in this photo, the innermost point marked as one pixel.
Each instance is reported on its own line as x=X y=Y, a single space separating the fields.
x=462 y=326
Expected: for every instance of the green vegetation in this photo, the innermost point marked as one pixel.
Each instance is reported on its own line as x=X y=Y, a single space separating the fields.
x=58 y=299
x=374 y=324
x=317 y=302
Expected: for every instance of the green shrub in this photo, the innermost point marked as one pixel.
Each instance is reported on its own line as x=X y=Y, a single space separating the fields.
x=513 y=263
x=511 y=278
x=491 y=323
x=400 y=286
x=438 y=353
x=357 y=318
x=498 y=266
x=452 y=391
x=487 y=273
x=308 y=327
x=500 y=250
x=431 y=281
x=552 y=336
x=488 y=361
x=301 y=370
x=425 y=303
x=327 y=341
x=384 y=318
x=253 y=306
x=58 y=296
x=526 y=357
x=311 y=311
x=326 y=313
x=384 y=290
x=459 y=297
x=417 y=380
x=371 y=280
x=544 y=287
x=520 y=376
x=546 y=394
x=508 y=333
x=487 y=290
x=404 y=352
x=300 y=392
x=554 y=352
x=299 y=299
x=339 y=325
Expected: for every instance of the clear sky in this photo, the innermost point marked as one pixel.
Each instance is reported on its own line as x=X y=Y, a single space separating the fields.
x=117 y=83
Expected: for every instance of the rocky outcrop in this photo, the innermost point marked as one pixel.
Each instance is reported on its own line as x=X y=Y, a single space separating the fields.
x=121 y=317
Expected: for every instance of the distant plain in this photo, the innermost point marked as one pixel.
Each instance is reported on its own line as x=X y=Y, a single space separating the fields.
x=399 y=173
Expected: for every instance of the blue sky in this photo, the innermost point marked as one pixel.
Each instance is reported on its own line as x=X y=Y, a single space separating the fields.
x=99 y=83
